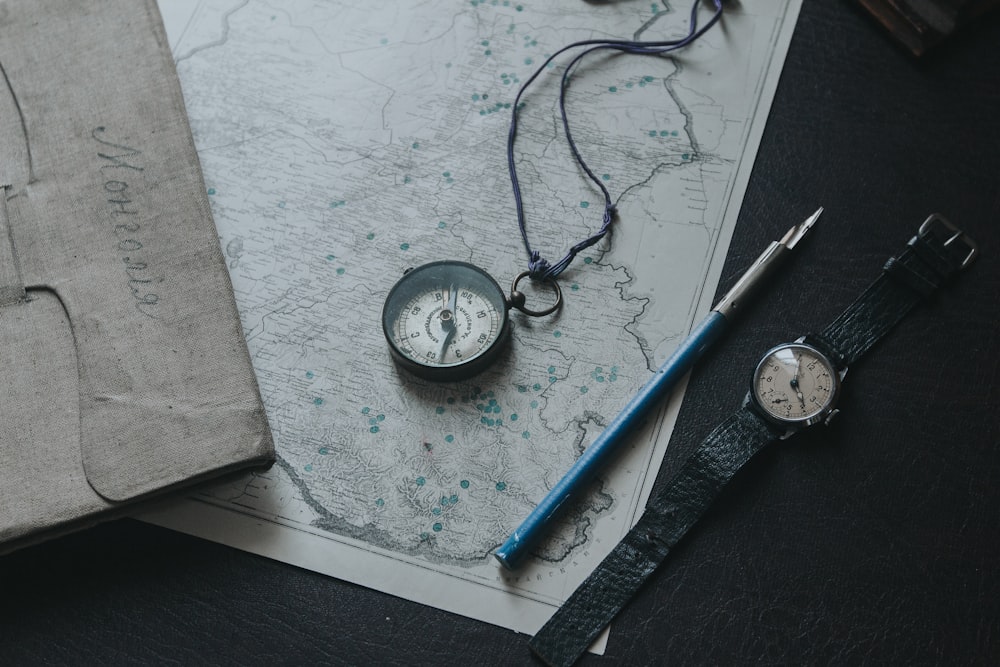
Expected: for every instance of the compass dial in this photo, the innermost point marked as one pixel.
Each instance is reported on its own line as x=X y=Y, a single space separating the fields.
x=795 y=383
x=445 y=320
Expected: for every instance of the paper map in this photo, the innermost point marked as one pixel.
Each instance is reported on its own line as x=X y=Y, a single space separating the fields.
x=343 y=143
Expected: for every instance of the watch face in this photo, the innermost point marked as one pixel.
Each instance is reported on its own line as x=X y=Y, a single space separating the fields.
x=445 y=320
x=795 y=384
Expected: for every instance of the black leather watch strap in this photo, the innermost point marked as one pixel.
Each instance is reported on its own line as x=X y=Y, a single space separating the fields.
x=932 y=257
x=668 y=516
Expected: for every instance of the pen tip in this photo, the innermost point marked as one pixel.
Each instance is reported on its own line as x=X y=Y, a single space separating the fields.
x=796 y=233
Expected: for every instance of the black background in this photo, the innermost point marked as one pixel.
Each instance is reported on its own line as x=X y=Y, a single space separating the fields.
x=871 y=541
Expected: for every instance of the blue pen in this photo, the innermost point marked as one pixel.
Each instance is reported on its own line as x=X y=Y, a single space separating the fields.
x=709 y=330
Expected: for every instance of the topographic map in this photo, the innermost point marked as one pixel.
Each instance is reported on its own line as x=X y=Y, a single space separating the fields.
x=344 y=142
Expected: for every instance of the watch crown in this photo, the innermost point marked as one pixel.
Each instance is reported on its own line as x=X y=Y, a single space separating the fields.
x=829 y=417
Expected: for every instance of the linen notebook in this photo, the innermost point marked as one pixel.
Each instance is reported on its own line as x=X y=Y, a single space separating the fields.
x=123 y=368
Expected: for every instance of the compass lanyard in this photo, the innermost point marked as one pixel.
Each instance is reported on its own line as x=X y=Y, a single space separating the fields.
x=540 y=268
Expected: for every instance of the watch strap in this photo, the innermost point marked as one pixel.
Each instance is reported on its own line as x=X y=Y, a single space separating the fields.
x=932 y=257
x=668 y=516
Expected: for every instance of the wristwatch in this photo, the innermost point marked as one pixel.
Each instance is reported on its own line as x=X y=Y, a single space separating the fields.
x=795 y=386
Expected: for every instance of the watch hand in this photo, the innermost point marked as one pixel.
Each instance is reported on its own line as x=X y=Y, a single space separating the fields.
x=794 y=382
x=447 y=316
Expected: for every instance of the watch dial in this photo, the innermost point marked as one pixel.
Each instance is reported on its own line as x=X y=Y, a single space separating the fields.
x=443 y=315
x=795 y=383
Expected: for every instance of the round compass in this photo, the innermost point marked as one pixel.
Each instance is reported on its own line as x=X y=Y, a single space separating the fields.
x=446 y=320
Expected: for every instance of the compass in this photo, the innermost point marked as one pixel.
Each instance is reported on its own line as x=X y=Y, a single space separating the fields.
x=449 y=320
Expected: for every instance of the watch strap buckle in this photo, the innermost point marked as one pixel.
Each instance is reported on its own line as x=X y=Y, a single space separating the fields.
x=960 y=249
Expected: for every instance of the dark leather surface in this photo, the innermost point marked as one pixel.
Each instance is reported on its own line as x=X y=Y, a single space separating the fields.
x=872 y=541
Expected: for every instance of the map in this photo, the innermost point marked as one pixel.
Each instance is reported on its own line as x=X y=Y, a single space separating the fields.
x=343 y=143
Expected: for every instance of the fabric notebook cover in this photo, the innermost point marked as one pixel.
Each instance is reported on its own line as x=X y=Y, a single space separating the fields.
x=123 y=368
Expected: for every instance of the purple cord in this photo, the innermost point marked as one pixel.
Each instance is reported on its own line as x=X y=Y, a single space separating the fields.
x=538 y=267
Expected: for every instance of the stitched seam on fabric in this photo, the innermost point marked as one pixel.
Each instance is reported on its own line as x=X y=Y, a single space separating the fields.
x=24 y=123
x=9 y=293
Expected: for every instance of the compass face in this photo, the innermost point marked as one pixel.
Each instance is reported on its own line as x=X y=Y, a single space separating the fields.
x=445 y=320
x=795 y=384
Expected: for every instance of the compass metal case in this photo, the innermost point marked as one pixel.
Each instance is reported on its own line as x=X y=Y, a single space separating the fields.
x=446 y=320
